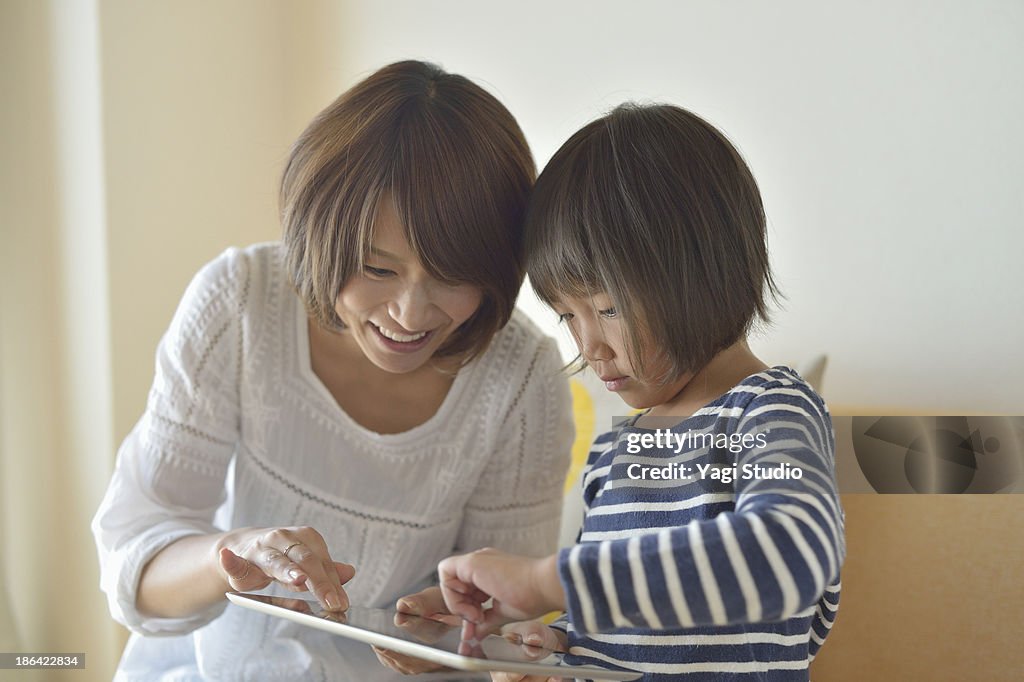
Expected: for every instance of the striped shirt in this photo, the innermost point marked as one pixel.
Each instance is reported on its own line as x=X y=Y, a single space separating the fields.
x=710 y=549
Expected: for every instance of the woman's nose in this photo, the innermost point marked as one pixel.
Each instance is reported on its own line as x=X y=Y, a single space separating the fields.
x=411 y=308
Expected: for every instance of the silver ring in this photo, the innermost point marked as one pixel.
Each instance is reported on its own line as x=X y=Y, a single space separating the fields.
x=289 y=547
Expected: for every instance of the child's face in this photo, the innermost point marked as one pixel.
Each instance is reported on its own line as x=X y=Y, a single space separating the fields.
x=598 y=331
x=397 y=313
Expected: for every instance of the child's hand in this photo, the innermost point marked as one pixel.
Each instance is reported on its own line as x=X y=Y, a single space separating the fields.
x=538 y=641
x=429 y=627
x=518 y=677
x=522 y=587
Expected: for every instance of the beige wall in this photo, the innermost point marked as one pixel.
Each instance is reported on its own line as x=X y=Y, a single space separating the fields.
x=194 y=130
x=54 y=353
x=140 y=139
x=933 y=589
x=201 y=101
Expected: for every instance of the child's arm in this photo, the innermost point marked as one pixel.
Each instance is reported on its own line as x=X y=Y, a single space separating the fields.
x=768 y=562
x=770 y=559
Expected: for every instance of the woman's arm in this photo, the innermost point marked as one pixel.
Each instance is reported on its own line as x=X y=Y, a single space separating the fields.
x=169 y=478
x=182 y=579
x=160 y=553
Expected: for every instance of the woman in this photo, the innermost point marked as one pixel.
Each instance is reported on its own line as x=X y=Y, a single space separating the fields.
x=361 y=394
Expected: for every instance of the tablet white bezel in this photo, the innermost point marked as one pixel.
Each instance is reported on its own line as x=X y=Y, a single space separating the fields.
x=425 y=651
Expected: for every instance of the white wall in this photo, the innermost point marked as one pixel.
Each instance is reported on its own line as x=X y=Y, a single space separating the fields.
x=885 y=137
x=882 y=138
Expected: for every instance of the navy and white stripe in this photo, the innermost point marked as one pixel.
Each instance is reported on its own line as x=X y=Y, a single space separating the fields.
x=702 y=580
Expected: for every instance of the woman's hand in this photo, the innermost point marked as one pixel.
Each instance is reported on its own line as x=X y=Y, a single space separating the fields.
x=522 y=587
x=422 y=615
x=297 y=557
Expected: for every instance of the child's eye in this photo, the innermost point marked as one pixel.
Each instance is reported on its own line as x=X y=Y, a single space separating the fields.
x=378 y=272
x=610 y=313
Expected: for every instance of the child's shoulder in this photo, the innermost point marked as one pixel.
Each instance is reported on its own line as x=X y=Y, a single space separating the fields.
x=776 y=398
x=766 y=392
x=779 y=384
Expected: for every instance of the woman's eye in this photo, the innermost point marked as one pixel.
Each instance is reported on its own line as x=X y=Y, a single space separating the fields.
x=609 y=313
x=564 y=317
x=378 y=272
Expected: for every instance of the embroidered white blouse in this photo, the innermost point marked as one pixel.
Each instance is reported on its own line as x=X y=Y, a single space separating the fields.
x=239 y=431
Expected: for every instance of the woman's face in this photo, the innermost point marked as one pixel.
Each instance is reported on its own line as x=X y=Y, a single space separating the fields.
x=396 y=312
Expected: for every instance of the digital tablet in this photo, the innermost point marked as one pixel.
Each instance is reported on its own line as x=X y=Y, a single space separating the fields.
x=435 y=640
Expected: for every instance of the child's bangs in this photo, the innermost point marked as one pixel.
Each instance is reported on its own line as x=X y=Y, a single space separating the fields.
x=563 y=247
x=563 y=269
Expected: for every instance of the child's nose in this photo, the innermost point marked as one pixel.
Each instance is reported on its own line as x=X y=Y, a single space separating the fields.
x=595 y=349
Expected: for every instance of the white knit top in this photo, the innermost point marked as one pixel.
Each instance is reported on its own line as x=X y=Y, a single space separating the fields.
x=239 y=431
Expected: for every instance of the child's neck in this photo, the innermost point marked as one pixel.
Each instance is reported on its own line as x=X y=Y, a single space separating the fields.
x=724 y=371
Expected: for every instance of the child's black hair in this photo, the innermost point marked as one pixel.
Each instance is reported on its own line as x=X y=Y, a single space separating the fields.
x=653 y=206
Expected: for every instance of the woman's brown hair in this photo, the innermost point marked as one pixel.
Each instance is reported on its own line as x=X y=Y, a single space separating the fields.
x=456 y=165
x=653 y=206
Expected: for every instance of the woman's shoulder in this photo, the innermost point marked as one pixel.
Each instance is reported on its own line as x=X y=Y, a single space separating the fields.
x=522 y=363
x=228 y=303
x=521 y=342
x=239 y=277
x=237 y=266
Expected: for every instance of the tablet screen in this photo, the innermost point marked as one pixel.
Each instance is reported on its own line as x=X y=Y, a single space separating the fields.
x=443 y=632
x=436 y=639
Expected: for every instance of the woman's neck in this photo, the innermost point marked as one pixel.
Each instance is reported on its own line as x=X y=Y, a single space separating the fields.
x=378 y=400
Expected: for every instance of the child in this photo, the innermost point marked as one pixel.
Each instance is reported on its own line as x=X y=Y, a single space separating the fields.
x=713 y=535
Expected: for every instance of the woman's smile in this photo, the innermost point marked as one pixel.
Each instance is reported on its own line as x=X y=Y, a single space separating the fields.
x=400 y=342
x=398 y=314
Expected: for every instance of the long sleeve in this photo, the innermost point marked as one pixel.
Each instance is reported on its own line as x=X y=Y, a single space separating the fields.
x=770 y=558
x=517 y=503
x=169 y=478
